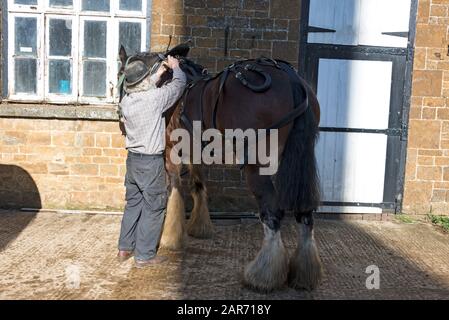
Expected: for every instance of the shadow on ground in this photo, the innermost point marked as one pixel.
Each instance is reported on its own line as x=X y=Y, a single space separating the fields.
x=17 y=190
x=413 y=262
x=60 y=256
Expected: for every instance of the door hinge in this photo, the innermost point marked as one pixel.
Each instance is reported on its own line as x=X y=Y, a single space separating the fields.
x=404 y=132
x=312 y=29
x=401 y=34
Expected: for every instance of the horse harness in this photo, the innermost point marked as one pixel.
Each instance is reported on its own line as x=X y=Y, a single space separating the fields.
x=239 y=69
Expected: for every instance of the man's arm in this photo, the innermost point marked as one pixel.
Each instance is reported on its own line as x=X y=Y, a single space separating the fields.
x=170 y=93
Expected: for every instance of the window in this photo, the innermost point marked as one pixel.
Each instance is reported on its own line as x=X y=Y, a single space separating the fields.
x=66 y=51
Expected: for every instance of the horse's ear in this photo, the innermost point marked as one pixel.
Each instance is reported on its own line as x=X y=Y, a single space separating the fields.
x=122 y=54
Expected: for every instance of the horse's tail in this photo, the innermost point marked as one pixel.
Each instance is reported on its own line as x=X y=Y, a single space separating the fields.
x=297 y=180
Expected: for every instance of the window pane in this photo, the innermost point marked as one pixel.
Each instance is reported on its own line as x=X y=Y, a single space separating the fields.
x=61 y=3
x=60 y=75
x=130 y=36
x=96 y=5
x=131 y=5
x=60 y=37
x=29 y=2
x=94 y=82
x=25 y=75
x=95 y=39
x=26 y=36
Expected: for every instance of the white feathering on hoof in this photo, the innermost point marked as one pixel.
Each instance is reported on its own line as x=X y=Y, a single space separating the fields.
x=269 y=270
x=199 y=225
x=174 y=234
x=306 y=270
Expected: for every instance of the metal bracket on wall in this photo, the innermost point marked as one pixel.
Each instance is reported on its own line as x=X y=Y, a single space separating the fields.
x=226 y=35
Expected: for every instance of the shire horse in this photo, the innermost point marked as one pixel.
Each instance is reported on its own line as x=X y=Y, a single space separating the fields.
x=224 y=102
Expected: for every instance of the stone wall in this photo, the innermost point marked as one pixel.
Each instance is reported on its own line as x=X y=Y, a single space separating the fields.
x=427 y=174
x=80 y=164
x=256 y=27
x=74 y=164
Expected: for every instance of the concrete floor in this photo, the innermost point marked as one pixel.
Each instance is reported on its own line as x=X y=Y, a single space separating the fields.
x=42 y=254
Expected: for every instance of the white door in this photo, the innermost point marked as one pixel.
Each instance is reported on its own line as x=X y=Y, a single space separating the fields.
x=360 y=22
x=355 y=50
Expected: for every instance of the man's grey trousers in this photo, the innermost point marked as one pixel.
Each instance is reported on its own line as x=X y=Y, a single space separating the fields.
x=146 y=203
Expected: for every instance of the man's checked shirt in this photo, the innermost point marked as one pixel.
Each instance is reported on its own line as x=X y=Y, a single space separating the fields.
x=142 y=113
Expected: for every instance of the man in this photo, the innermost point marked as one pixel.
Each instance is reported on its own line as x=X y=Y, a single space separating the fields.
x=146 y=190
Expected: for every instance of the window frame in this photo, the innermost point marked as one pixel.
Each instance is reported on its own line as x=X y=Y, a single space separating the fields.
x=43 y=12
x=108 y=97
x=128 y=13
x=25 y=97
x=52 y=97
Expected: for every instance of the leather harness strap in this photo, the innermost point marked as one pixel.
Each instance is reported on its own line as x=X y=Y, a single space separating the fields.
x=223 y=78
x=251 y=67
x=295 y=113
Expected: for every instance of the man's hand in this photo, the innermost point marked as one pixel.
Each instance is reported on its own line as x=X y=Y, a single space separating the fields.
x=162 y=69
x=172 y=62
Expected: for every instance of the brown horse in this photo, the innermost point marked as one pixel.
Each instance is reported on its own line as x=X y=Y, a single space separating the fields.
x=223 y=102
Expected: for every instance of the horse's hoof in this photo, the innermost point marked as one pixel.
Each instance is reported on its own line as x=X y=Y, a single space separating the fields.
x=204 y=230
x=306 y=270
x=268 y=271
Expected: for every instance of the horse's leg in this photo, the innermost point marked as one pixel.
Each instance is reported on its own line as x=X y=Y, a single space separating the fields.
x=306 y=269
x=174 y=234
x=199 y=224
x=269 y=269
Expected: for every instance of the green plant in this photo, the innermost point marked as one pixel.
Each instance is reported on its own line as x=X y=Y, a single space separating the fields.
x=442 y=221
x=404 y=218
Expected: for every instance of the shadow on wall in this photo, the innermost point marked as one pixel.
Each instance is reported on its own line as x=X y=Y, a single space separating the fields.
x=17 y=190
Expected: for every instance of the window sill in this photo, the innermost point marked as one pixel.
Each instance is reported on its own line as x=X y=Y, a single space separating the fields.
x=66 y=112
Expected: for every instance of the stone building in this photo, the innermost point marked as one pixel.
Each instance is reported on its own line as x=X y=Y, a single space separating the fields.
x=65 y=134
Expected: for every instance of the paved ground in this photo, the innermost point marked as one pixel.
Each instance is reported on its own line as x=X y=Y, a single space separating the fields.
x=40 y=256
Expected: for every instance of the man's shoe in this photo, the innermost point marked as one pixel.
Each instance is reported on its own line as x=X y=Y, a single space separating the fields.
x=153 y=261
x=123 y=255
